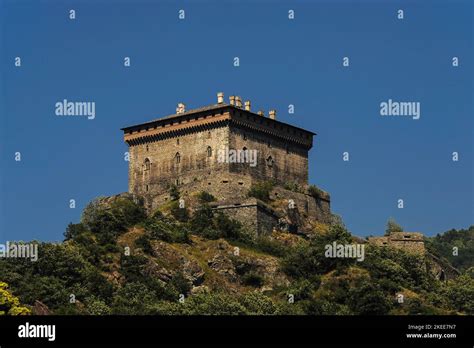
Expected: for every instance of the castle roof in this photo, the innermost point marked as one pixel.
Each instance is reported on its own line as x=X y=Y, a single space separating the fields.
x=220 y=114
x=203 y=109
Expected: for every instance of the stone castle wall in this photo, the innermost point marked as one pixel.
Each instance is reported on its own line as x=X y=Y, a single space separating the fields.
x=179 y=160
x=276 y=160
x=408 y=241
x=254 y=216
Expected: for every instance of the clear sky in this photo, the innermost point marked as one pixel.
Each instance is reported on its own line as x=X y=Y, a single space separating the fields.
x=282 y=62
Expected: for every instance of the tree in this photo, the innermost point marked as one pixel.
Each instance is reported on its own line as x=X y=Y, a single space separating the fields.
x=392 y=226
x=369 y=299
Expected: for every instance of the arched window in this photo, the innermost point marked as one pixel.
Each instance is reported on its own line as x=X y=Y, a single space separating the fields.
x=177 y=141
x=177 y=157
x=147 y=164
x=209 y=151
x=270 y=161
x=147 y=148
x=245 y=154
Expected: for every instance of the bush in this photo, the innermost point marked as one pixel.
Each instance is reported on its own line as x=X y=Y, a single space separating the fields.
x=369 y=299
x=96 y=306
x=270 y=246
x=180 y=283
x=9 y=304
x=261 y=190
x=205 y=197
x=174 y=192
x=292 y=186
x=110 y=220
x=133 y=298
x=227 y=227
x=253 y=279
x=163 y=229
x=201 y=220
x=258 y=304
x=315 y=191
x=212 y=304
x=73 y=231
x=143 y=242
x=180 y=214
x=303 y=289
x=305 y=261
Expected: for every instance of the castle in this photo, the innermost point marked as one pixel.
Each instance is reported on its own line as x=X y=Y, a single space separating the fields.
x=224 y=149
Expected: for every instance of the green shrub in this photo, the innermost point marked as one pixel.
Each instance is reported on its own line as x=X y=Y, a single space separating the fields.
x=392 y=226
x=163 y=229
x=180 y=283
x=143 y=242
x=180 y=214
x=305 y=261
x=256 y=303
x=205 y=197
x=368 y=299
x=292 y=186
x=201 y=219
x=261 y=190
x=212 y=304
x=73 y=231
x=174 y=192
x=270 y=246
x=253 y=279
x=315 y=191
x=96 y=306
x=227 y=227
x=303 y=289
x=110 y=220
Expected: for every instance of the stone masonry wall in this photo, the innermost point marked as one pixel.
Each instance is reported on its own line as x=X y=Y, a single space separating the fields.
x=276 y=160
x=255 y=217
x=408 y=241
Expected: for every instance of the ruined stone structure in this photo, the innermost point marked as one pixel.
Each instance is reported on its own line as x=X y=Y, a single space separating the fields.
x=409 y=241
x=191 y=149
x=413 y=242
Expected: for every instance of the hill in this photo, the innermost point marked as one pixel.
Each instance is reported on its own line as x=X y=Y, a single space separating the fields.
x=118 y=260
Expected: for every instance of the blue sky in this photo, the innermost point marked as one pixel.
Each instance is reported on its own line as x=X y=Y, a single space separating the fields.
x=282 y=62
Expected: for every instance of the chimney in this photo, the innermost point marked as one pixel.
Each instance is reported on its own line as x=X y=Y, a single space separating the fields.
x=247 y=105
x=232 y=100
x=238 y=102
x=220 y=98
x=181 y=108
x=261 y=113
x=272 y=114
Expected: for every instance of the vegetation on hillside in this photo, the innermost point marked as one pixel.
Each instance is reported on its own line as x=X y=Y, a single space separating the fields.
x=118 y=260
x=457 y=246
